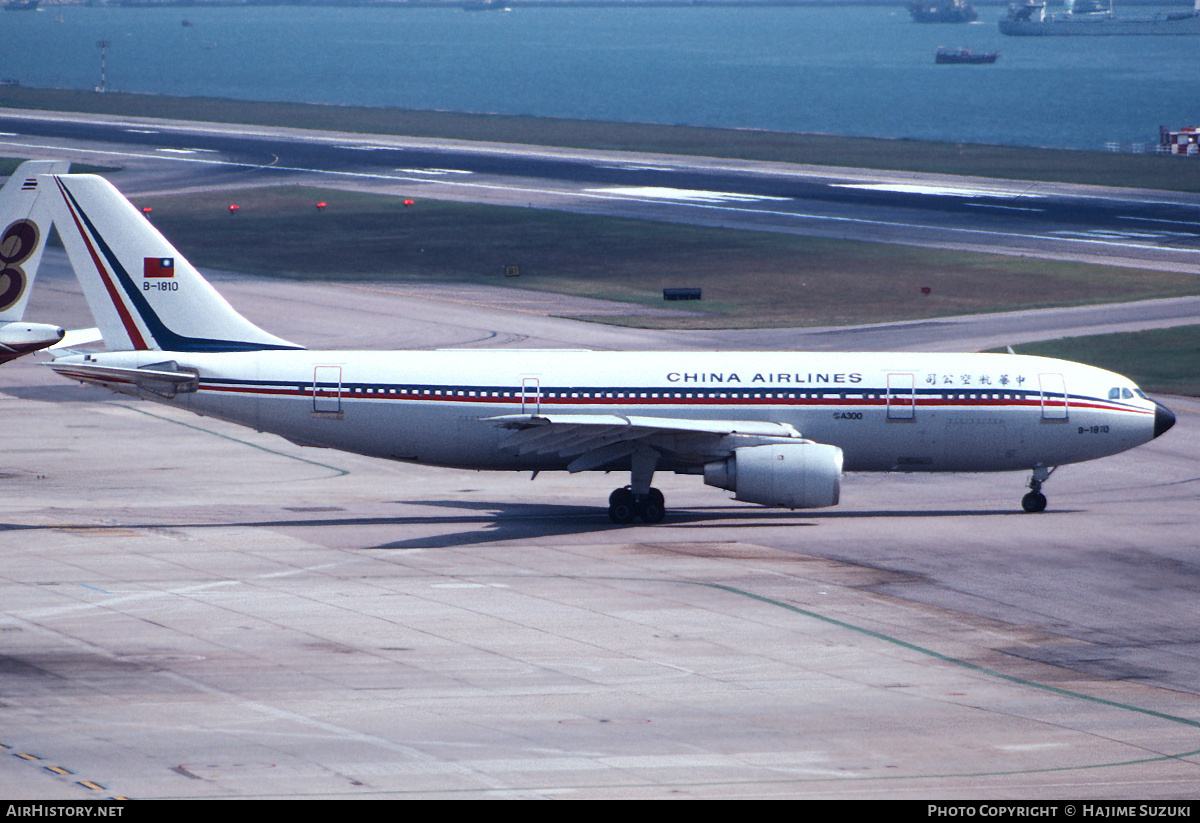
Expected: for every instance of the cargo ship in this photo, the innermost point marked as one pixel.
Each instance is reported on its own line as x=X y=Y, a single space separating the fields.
x=942 y=11
x=1093 y=17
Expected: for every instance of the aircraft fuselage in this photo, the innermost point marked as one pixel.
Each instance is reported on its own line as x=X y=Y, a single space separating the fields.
x=886 y=411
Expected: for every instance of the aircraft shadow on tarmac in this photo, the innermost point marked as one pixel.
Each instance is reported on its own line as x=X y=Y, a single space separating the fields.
x=509 y=521
x=66 y=393
x=501 y=522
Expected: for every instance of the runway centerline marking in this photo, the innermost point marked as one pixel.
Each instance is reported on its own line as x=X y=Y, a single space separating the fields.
x=683 y=195
x=927 y=188
x=1006 y=208
x=1191 y=223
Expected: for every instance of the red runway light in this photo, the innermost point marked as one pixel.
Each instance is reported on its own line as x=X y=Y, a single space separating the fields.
x=146 y=209
x=409 y=202
x=232 y=207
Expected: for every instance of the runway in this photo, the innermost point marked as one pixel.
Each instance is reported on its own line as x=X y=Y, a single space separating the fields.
x=192 y=609
x=1156 y=230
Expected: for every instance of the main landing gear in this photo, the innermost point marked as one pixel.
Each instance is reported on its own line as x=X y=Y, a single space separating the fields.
x=624 y=506
x=638 y=499
x=1035 y=501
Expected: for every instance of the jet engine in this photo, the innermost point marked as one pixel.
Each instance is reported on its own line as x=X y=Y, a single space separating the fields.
x=787 y=475
x=21 y=334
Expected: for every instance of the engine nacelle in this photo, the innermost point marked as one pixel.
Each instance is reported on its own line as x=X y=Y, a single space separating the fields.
x=787 y=475
x=29 y=336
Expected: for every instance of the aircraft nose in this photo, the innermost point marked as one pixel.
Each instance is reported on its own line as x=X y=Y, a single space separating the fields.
x=1164 y=419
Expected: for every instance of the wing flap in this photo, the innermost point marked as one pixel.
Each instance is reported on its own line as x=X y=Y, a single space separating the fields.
x=595 y=440
x=759 y=428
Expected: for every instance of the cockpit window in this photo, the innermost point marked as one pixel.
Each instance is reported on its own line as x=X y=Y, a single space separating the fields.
x=1126 y=394
x=1114 y=393
x=1141 y=394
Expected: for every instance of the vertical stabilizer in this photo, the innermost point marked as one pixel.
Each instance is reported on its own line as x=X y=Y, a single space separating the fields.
x=24 y=227
x=142 y=292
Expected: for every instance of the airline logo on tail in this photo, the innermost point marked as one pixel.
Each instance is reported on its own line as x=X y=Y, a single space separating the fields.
x=17 y=245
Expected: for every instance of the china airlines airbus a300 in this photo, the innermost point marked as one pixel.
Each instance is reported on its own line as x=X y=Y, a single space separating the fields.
x=775 y=428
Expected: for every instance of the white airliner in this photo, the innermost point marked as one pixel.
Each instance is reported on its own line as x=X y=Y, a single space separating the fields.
x=24 y=227
x=776 y=428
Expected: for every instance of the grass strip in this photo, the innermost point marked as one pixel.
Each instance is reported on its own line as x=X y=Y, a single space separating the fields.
x=749 y=279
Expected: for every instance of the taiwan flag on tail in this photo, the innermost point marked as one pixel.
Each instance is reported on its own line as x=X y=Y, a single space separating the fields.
x=159 y=267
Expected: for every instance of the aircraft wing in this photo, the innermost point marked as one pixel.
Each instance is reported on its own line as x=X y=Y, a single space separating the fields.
x=595 y=440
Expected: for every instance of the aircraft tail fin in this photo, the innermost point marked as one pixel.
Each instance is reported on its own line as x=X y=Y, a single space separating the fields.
x=24 y=227
x=143 y=293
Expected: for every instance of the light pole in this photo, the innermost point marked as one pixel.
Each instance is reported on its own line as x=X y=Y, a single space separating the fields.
x=103 y=46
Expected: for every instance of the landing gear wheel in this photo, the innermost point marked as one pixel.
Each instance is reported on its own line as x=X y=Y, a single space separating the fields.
x=621 y=507
x=657 y=497
x=624 y=506
x=1034 y=502
x=619 y=494
x=653 y=507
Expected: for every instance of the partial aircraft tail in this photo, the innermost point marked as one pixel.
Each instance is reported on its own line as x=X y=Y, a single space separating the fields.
x=25 y=225
x=142 y=292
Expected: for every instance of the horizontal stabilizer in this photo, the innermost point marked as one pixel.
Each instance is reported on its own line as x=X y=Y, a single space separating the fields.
x=163 y=379
x=78 y=337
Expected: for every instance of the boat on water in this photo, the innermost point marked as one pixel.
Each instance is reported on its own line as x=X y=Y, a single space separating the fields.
x=942 y=11
x=965 y=56
x=1185 y=141
x=1093 y=17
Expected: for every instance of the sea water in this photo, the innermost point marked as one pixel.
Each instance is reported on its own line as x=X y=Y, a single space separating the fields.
x=855 y=70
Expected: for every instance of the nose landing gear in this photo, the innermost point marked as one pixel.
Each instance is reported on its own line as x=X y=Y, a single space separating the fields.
x=1035 y=501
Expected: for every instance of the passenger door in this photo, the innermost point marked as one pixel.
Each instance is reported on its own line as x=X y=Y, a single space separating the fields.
x=901 y=396
x=327 y=390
